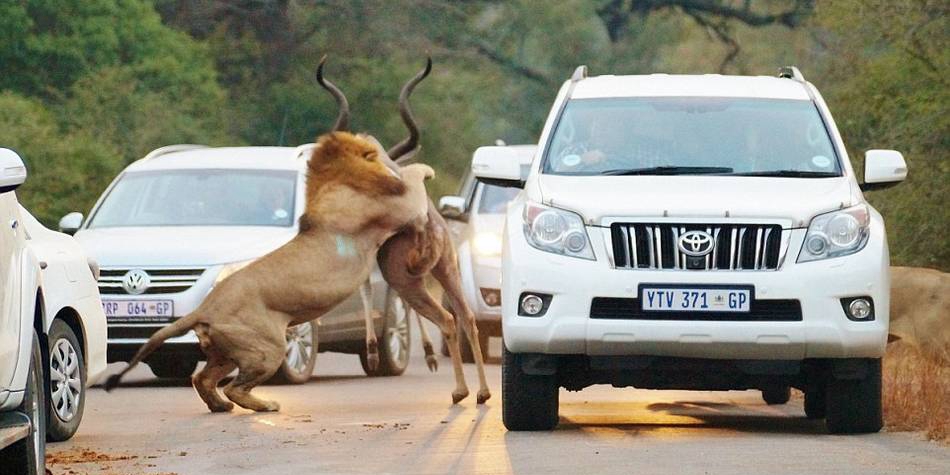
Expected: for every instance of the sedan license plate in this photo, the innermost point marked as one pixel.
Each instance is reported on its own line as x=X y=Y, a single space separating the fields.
x=658 y=298
x=138 y=310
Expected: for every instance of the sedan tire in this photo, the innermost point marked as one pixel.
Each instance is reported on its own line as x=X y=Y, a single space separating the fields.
x=67 y=383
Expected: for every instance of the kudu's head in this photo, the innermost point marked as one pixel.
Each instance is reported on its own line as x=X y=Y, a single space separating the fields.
x=404 y=150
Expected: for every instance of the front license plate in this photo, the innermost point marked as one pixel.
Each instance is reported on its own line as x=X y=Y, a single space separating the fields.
x=138 y=310
x=695 y=299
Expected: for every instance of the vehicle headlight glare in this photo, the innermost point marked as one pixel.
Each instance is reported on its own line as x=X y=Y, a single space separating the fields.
x=836 y=234
x=487 y=244
x=556 y=230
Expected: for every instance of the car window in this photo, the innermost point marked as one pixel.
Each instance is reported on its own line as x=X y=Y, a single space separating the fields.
x=495 y=199
x=724 y=135
x=203 y=197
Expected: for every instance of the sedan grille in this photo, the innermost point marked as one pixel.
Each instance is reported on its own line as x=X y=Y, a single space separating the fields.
x=161 y=281
x=734 y=246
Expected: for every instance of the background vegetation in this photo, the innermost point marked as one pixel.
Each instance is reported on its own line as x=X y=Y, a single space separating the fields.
x=89 y=86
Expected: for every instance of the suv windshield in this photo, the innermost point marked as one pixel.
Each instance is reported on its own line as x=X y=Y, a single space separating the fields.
x=200 y=198
x=691 y=135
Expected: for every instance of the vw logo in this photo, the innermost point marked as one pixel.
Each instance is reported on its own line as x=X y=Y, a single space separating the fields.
x=695 y=243
x=136 y=281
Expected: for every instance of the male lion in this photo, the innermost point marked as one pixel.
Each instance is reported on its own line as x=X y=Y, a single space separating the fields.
x=354 y=203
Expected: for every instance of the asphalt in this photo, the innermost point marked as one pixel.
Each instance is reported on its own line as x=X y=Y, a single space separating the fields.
x=344 y=422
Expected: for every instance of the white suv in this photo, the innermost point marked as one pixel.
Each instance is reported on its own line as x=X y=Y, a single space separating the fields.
x=694 y=232
x=183 y=218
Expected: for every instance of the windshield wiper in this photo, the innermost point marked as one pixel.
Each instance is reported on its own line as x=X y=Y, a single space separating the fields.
x=789 y=174
x=668 y=170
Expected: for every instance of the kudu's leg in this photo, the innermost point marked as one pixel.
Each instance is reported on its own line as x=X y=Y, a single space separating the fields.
x=372 y=345
x=419 y=299
x=431 y=361
x=447 y=273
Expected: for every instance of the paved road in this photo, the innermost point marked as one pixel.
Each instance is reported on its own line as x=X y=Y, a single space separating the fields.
x=343 y=422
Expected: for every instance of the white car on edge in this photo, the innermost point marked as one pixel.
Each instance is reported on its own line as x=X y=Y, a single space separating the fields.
x=479 y=209
x=694 y=232
x=52 y=330
x=183 y=218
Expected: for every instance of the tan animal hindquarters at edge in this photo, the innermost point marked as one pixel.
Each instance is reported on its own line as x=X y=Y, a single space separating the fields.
x=920 y=310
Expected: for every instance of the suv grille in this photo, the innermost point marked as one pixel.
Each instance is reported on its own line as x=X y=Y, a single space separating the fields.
x=736 y=246
x=162 y=281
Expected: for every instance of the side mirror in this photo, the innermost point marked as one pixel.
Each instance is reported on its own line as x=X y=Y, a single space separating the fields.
x=498 y=166
x=12 y=170
x=70 y=223
x=452 y=207
x=882 y=169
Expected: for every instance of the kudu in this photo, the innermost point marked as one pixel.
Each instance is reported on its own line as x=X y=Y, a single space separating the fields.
x=354 y=203
x=407 y=258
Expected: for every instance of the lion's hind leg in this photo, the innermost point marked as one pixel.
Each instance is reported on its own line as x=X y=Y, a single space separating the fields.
x=258 y=355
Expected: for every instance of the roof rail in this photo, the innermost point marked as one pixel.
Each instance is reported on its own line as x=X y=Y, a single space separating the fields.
x=579 y=73
x=791 y=72
x=302 y=150
x=158 y=152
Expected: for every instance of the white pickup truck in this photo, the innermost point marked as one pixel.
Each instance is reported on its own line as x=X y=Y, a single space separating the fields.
x=694 y=232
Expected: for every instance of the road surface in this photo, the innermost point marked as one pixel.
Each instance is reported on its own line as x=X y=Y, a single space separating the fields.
x=344 y=422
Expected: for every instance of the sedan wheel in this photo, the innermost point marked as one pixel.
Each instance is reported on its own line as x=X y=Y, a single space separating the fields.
x=300 y=356
x=394 y=347
x=67 y=382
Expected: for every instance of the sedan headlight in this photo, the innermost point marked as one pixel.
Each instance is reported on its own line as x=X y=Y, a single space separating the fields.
x=487 y=244
x=230 y=269
x=835 y=234
x=556 y=230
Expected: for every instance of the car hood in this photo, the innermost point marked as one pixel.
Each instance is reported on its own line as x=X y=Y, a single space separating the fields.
x=795 y=200
x=181 y=245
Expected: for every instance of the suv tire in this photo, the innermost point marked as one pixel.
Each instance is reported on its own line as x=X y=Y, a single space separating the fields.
x=28 y=456
x=528 y=402
x=66 y=401
x=776 y=395
x=854 y=405
x=815 y=404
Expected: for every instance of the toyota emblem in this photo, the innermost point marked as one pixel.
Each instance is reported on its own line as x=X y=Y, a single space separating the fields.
x=695 y=243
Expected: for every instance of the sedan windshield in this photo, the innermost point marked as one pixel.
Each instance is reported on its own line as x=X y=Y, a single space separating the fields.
x=691 y=136
x=200 y=198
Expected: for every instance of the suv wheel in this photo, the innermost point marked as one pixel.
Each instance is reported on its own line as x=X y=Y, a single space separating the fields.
x=815 y=404
x=394 y=346
x=67 y=383
x=854 y=405
x=528 y=402
x=301 y=355
x=173 y=367
x=28 y=456
x=776 y=395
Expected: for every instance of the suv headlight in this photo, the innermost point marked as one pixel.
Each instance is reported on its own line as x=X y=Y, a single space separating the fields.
x=835 y=234
x=556 y=230
x=230 y=269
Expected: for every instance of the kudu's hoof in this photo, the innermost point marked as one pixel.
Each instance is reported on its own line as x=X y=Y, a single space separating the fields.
x=223 y=407
x=458 y=396
x=483 y=396
x=270 y=406
x=432 y=362
x=372 y=361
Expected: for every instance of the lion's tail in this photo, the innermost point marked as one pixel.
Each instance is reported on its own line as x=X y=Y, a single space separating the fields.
x=178 y=328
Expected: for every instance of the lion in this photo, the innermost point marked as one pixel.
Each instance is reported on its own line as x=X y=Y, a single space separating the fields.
x=920 y=309
x=354 y=204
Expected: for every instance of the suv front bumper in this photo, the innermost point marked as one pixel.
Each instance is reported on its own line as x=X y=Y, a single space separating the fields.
x=823 y=332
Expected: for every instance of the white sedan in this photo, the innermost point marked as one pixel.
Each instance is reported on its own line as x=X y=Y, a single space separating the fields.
x=74 y=322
